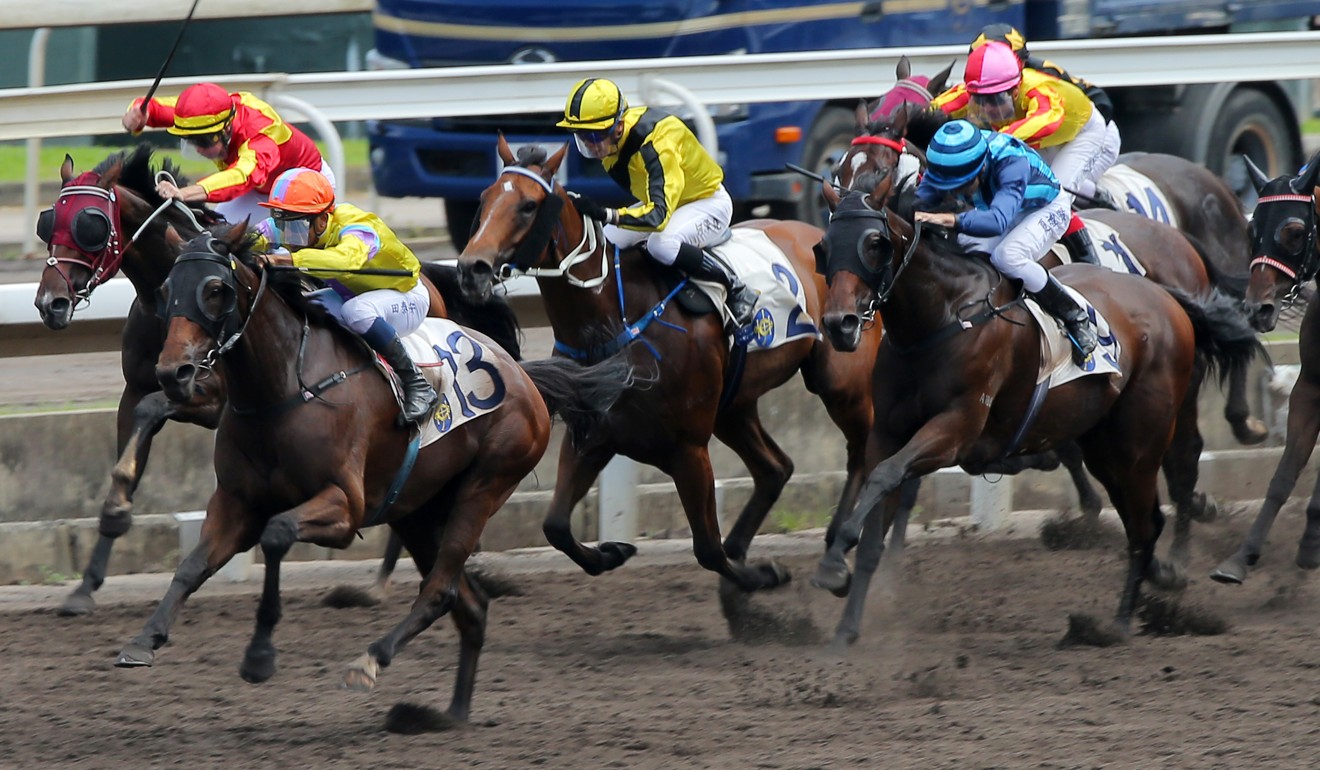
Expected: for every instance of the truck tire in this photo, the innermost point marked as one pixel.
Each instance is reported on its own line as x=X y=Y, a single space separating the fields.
x=458 y=217
x=1251 y=124
x=830 y=137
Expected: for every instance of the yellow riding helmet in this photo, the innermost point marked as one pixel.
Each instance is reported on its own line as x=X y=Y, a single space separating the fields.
x=593 y=104
x=1003 y=33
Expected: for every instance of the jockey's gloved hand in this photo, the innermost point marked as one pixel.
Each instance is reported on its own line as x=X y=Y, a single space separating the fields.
x=593 y=210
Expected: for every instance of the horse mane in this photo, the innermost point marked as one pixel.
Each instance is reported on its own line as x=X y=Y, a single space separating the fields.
x=943 y=241
x=922 y=125
x=137 y=174
x=531 y=155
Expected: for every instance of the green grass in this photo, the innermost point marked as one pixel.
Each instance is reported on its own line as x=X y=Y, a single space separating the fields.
x=782 y=521
x=1311 y=126
x=13 y=158
x=9 y=410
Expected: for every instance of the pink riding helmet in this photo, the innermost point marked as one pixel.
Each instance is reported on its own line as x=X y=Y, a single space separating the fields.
x=991 y=69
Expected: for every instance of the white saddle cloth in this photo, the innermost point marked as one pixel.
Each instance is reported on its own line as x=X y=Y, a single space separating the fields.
x=781 y=308
x=1113 y=253
x=461 y=371
x=1056 y=362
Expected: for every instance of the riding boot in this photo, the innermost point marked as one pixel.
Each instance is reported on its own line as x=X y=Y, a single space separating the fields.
x=1056 y=301
x=1080 y=247
x=741 y=300
x=419 y=398
x=1105 y=200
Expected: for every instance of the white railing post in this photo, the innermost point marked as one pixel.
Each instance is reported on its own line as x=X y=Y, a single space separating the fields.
x=31 y=179
x=991 y=503
x=617 y=496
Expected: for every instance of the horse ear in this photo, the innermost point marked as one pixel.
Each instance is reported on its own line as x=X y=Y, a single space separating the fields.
x=899 y=120
x=235 y=234
x=66 y=169
x=502 y=147
x=904 y=68
x=831 y=195
x=551 y=167
x=938 y=83
x=1257 y=177
x=173 y=238
x=863 y=116
x=1305 y=184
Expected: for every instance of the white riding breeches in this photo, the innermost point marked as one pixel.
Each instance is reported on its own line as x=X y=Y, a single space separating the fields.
x=698 y=223
x=405 y=311
x=1081 y=160
x=246 y=205
x=1017 y=251
x=1113 y=147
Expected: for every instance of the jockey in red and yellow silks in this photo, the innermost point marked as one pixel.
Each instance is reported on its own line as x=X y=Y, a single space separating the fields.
x=246 y=139
x=1047 y=111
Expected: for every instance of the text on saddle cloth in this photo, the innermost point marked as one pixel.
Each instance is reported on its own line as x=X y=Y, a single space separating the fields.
x=1056 y=362
x=1114 y=254
x=1137 y=193
x=781 y=309
x=461 y=370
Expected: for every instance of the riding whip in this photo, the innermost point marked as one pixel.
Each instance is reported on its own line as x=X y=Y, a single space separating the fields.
x=812 y=175
x=358 y=271
x=178 y=39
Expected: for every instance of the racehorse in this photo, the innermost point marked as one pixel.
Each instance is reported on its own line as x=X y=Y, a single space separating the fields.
x=1285 y=257
x=297 y=462
x=111 y=218
x=529 y=224
x=1202 y=205
x=957 y=371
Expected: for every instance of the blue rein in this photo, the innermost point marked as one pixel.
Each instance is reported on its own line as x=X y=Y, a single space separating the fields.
x=631 y=332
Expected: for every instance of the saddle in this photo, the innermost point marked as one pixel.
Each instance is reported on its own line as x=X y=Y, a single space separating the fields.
x=691 y=297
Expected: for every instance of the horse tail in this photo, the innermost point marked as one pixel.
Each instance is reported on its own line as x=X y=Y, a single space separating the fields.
x=582 y=395
x=493 y=318
x=1234 y=285
x=1224 y=338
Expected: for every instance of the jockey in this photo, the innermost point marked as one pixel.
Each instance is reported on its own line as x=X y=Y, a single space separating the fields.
x=1048 y=114
x=308 y=229
x=682 y=202
x=1113 y=141
x=1015 y=212
x=246 y=139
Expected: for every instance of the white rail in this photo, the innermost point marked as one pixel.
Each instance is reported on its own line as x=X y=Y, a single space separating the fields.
x=30 y=14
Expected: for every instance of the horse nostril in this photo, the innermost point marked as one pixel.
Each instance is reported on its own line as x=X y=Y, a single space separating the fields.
x=59 y=306
x=849 y=324
x=481 y=270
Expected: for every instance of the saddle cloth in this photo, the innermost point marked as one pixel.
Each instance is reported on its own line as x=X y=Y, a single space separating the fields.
x=1113 y=253
x=1056 y=362
x=460 y=370
x=781 y=308
x=1135 y=192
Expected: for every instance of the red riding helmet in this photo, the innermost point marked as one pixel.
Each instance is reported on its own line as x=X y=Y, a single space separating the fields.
x=204 y=108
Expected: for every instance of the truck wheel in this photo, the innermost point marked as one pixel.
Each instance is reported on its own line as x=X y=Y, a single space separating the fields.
x=830 y=138
x=1249 y=124
x=458 y=217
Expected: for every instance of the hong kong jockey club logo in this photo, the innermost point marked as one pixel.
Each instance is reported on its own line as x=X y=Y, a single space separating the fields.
x=443 y=416
x=764 y=325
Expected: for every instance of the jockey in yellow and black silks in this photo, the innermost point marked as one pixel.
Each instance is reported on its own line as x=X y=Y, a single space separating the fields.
x=246 y=139
x=308 y=229
x=682 y=204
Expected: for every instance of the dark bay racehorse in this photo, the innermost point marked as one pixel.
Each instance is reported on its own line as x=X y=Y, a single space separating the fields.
x=97 y=228
x=291 y=470
x=528 y=223
x=958 y=367
x=1285 y=257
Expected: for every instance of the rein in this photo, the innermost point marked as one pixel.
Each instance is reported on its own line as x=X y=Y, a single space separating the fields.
x=593 y=238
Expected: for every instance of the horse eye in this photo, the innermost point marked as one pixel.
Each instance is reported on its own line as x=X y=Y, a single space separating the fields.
x=527 y=207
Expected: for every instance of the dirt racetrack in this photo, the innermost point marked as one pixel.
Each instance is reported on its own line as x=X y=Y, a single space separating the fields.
x=958 y=668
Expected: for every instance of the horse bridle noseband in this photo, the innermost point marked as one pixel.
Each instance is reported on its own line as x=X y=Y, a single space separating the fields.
x=217 y=327
x=882 y=296
x=540 y=236
x=1310 y=265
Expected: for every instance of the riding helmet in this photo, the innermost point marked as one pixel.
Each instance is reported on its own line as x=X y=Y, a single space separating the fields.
x=991 y=69
x=204 y=108
x=956 y=155
x=593 y=104
x=301 y=190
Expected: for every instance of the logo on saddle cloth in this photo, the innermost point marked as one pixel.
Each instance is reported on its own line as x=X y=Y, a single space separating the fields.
x=1056 y=362
x=462 y=371
x=781 y=307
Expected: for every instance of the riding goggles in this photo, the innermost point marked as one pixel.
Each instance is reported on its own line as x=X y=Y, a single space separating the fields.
x=595 y=144
x=292 y=231
x=994 y=108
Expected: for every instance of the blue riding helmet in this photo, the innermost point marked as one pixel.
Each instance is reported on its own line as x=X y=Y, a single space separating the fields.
x=956 y=155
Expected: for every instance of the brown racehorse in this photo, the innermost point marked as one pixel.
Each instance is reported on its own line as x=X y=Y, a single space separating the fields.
x=958 y=367
x=293 y=467
x=1285 y=257
x=86 y=249
x=1204 y=206
x=527 y=222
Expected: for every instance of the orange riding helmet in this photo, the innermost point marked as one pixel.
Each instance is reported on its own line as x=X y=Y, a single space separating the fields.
x=301 y=191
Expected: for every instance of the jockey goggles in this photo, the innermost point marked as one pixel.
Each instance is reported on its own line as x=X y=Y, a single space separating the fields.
x=293 y=229
x=594 y=144
x=995 y=108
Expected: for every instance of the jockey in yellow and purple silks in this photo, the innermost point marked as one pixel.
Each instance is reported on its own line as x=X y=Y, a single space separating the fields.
x=1050 y=115
x=308 y=229
x=246 y=139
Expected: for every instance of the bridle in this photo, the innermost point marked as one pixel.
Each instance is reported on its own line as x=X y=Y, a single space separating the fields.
x=220 y=327
x=882 y=295
x=540 y=236
x=1310 y=266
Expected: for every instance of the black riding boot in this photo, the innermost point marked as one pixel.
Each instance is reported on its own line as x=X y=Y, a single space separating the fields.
x=419 y=398
x=741 y=300
x=1080 y=247
x=1105 y=200
x=1060 y=304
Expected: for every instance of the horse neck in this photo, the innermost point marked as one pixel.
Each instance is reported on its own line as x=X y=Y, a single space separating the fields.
x=262 y=367
x=930 y=292
x=148 y=260
x=575 y=311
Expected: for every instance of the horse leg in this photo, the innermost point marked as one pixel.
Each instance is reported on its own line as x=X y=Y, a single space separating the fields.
x=227 y=530
x=741 y=430
x=869 y=550
x=695 y=481
x=1303 y=427
x=324 y=518
x=139 y=421
x=851 y=412
x=576 y=473
x=1181 y=471
x=1308 y=548
x=1246 y=429
x=390 y=560
x=1088 y=500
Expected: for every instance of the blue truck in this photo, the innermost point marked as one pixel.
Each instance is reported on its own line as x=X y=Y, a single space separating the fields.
x=454 y=158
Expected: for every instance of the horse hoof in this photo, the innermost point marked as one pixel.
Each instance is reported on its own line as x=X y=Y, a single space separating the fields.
x=836 y=580
x=775 y=575
x=1168 y=576
x=842 y=641
x=1230 y=572
x=361 y=674
x=135 y=655
x=1206 y=509
x=615 y=554
x=77 y=604
x=116 y=519
x=1250 y=431
x=1308 y=558
x=257 y=667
